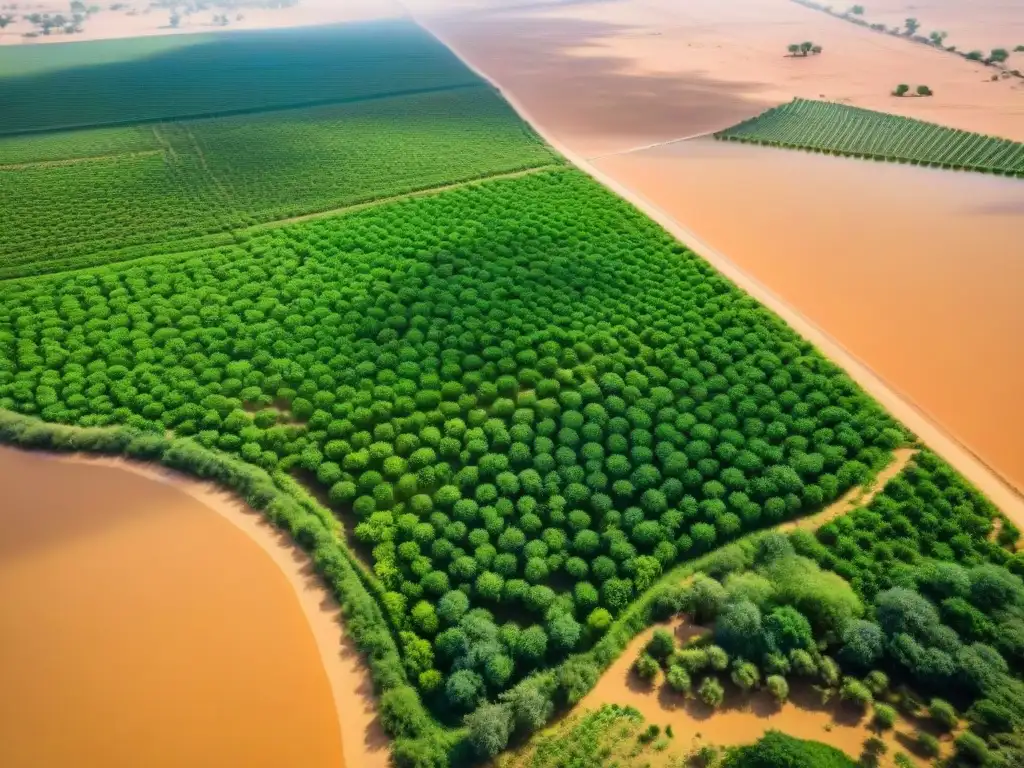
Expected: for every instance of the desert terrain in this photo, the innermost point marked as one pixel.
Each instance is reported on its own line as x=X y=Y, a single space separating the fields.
x=970 y=24
x=137 y=18
x=149 y=600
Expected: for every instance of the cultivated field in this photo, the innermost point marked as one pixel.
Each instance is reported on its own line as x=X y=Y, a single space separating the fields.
x=509 y=416
x=841 y=130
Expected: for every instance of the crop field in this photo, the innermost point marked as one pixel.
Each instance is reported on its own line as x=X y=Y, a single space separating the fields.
x=158 y=79
x=153 y=185
x=527 y=397
x=840 y=130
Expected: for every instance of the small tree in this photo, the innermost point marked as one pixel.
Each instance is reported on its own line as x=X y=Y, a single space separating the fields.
x=998 y=56
x=927 y=744
x=661 y=644
x=877 y=682
x=856 y=693
x=857 y=10
x=816 y=50
x=937 y=38
x=806 y=47
x=911 y=26
x=975 y=56
x=711 y=692
x=646 y=667
x=971 y=749
x=175 y=19
x=1019 y=49
x=944 y=714
x=678 y=679
x=885 y=717
x=924 y=90
x=778 y=687
x=746 y=676
x=794 y=49
x=901 y=90
x=5 y=19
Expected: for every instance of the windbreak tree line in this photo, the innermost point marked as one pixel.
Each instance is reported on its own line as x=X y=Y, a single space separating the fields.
x=527 y=399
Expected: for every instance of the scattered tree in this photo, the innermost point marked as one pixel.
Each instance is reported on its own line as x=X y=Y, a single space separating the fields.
x=924 y=90
x=711 y=692
x=943 y=714
x=778 y=687
x=998 y=56
x=884 y=717
x=901 y=90
x=911 y=25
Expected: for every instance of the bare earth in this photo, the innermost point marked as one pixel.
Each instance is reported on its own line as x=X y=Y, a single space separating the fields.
x=171 y=638
x=609 y=75
x=136 y=19
x=969 y=283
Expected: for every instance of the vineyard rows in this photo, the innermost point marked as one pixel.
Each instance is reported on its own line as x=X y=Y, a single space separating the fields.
x=841 y=130
x=215 y=176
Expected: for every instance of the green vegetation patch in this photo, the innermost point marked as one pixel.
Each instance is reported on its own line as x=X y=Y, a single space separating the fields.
x=201 y=178
x=166 y=78
x=841 y=130
x=777 y=750
x=526 y=398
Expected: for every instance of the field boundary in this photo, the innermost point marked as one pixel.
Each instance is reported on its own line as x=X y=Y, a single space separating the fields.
x=191 y=245
x=947 y=445
x=241 y=111
x=77 y=160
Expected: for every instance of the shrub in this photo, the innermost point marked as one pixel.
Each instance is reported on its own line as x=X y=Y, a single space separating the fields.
x=711 y=692
x=971 y=749
x=778 y=687
x=646 y=667
x=927 y=744
x=678 y=679
x=884 y=716
x=943 y=714
x=490 y=727
x=856 y=693
x=661 y=644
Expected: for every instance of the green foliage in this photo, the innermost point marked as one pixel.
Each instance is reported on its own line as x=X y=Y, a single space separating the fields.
x=943 y=714
x=778 y=687
x=884 y=716
x=840 y=129
x=777 y=750
x=158 y=79
x=646 y=667
x=856 y=693
x=678 y=679
x=927 y=744
x=490 y=727
x=711 y=692
x=661 y=644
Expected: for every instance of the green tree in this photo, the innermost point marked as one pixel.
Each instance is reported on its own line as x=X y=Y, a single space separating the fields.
x=884 y=717
x=924 y=90
x=678 y=679
x=911 y=25
x=943 y=714
x=490 y=727
x=646 y=667
x=856 y=693
x=998 y=56
x=901 y=90
x=711 y=692
x=778 y=687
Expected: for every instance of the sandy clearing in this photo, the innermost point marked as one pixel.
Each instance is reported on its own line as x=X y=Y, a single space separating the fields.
x=137 y=19
x=363 y=742
x=743 y=718
x=938 y=438
x=607 y=75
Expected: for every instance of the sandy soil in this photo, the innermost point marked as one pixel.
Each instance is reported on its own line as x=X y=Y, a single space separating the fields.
x=970 y=24
x=124 y=594
x=913 y=270
x=137 y=19
x=743 y=718
x=610 y=75
x=947 y=281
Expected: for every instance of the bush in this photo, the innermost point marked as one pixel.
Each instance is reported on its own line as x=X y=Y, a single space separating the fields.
x=711 y=692
x=678 y=679
x=856 y=693
x=927 y=744
x=885 y=717
x=490 y=727
x=646 y=667
x=778 y=750
x=778 y=687
x=971 y=749
x=661 y=644
x=943 y=714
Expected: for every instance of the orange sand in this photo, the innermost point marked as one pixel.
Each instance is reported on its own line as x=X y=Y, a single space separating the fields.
x=914 y=271
x=606 y=76
x=137 y=19
x=140 y=629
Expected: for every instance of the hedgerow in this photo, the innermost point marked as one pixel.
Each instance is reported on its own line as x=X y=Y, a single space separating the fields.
x=842 y=130
x=526 y=399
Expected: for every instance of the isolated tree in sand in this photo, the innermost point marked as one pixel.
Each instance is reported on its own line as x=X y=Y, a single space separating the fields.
x=806 y=47
x=912 y=26
x=816 y=50
x=924 y=90
x=5 y=19
x=1018 y=49
x=938 y=38
x=794 y=49
x=998 y=56
x=901 y=90
x=857 y=10
x=975 y=55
